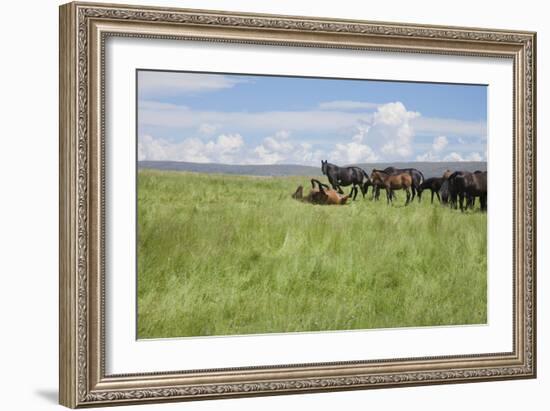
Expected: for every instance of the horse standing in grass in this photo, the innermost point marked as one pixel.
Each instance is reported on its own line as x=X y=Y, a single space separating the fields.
x=448 y=194
x=345 y=176
x=434 y=185
x=416 y=175
x=320 y=194
x=401 y=181
x=468 y=186
x=417 y=180
x=376 y=186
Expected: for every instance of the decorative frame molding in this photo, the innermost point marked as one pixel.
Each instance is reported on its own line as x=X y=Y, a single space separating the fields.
x=83 y=30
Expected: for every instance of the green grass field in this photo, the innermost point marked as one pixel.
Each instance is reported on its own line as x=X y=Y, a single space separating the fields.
x=221 y=255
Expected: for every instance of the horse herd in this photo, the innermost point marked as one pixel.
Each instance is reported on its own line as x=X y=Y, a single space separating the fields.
x=456 y=189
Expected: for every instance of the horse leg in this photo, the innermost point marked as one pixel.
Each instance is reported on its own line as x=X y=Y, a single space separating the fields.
x=437 y=194
x=483 y=202
x=409 y=199
x=432 y=196
x=414 y=193
x=356 y=191
x=334 y=184
x=338 y=187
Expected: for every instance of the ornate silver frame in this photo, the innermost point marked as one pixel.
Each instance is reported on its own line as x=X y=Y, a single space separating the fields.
x=83 y=30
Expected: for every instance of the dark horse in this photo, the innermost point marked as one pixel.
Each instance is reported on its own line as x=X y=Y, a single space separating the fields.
x=416 y=175
x=345 y=176
x=468 y=186
x=434 y=185
x=447 y=193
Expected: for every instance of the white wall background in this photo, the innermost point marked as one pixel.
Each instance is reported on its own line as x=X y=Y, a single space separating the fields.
x=29 y=187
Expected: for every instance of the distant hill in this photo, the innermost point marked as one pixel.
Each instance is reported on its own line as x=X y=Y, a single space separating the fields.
x=429 y=169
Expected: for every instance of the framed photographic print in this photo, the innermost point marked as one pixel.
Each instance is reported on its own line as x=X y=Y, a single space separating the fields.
x=259 y=204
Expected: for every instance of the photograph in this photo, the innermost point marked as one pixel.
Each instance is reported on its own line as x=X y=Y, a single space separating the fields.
x=261 y=203
x=286 y=204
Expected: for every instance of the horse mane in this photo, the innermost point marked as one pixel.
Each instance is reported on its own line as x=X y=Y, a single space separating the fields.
x=455 y=174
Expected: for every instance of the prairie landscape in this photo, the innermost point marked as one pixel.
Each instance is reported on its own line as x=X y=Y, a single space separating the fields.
x=223 y=254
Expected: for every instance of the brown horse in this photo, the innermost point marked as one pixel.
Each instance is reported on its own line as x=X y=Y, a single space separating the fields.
x=320 y=194
x=402 y=181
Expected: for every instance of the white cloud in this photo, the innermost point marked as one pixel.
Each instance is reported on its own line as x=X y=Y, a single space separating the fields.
x=166 y=83
x=230 y=149
x=345 y=105
x=154 y=114
x=279 y=149
x=352 y=153
x=391 y=125
x=454 y=156
x=427 y=156
x=225 y=149
x=208 y=129
x=440 y=143
x=475 y=156
x=387 y=134
x=432 y=126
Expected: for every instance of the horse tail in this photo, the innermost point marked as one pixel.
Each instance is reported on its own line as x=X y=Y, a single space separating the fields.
x=421 y=176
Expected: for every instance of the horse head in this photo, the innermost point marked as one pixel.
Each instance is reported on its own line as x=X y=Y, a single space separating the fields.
x=377 y=176
x=344 y=199
x=324 y=167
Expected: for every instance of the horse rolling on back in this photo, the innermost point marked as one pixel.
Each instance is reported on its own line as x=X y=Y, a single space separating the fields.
x=320 y=194
x=402 y=181
x=345 y=176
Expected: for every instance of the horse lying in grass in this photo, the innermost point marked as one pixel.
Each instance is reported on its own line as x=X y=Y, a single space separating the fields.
x=402 y=181
x=320 y=194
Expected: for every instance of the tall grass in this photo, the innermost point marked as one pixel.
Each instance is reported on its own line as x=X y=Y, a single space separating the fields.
x=220 y=255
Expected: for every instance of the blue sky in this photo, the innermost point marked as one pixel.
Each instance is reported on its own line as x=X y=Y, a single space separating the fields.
x=242 y=119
